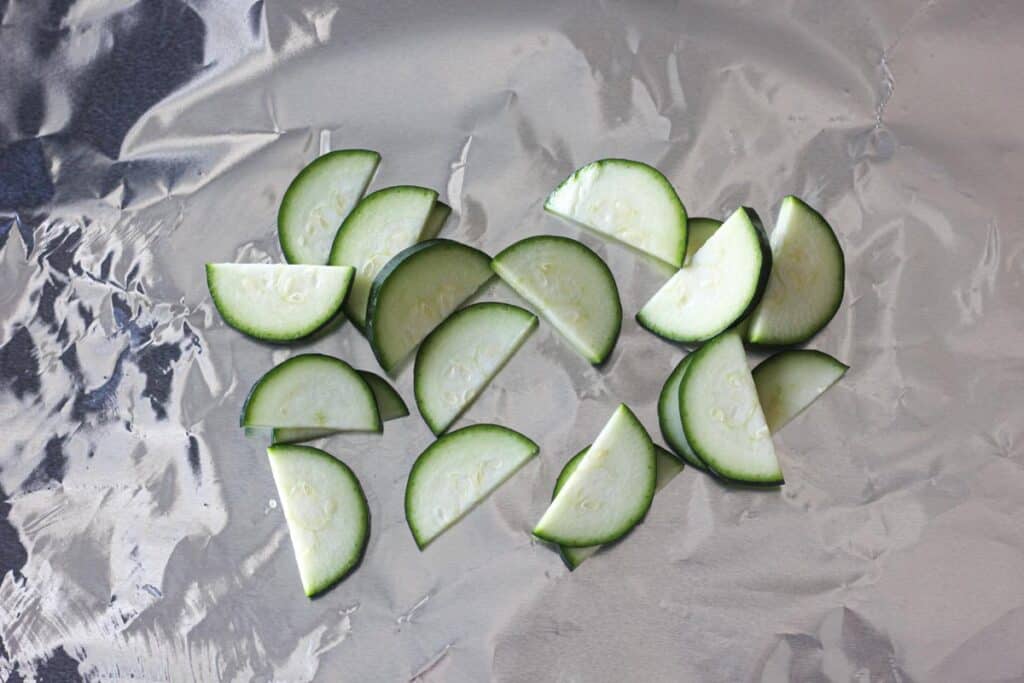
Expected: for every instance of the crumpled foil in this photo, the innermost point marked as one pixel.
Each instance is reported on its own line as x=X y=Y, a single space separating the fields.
x=140 y=535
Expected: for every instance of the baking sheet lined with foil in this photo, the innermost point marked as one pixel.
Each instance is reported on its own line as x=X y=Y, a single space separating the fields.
x=140 y=534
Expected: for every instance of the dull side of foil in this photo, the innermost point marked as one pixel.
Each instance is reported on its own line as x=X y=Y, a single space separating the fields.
x=140 y=535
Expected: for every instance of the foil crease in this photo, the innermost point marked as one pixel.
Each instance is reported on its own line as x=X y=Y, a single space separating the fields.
x=140 y=536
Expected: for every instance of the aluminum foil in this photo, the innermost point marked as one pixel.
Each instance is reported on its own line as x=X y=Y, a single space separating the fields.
x=140 y=535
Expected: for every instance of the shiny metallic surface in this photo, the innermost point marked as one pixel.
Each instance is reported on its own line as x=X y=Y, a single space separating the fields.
x=140 y=535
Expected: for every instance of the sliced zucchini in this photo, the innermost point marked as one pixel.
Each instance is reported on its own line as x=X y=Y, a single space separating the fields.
x=459 y=358
x=383 y=224
x=298 y=434
x=699 y=231
x=667 y=465
x=628 y=201
x=668 y=416
x=277 y=302
x=610 y=491
x=722 y=417
x=791 y=380
x=458 y=471
x=326 y=512
x=807 y=280
x=435 y=221
x=786 y=384
x=389 y=402
x=319 y=199
x=571 y=286
x=417 y=290
x=312 y=390
x=719 y=287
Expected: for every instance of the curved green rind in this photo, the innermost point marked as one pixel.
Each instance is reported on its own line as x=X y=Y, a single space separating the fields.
x=595 y=356
x=384 y=281
x=668 y=466
x=572 y=557
x=638 y=511
x=669 y=419
x=713 y=464
x=321 y=163
x=766 y=265
x=436 y=220
x=246 y=328
x=567 y=471
x=389 y=404
x=353 y=228
x=758 y=339
x=364 y=519
x=289 y=435
x=645 y=319
x=699 y=230
x=437 y=449
x=263 y=383
x=389 y=401
x=676 y=257
x=765 y=374
x=430 y=343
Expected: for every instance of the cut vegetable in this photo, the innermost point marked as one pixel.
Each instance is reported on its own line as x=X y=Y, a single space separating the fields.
x=626 y=200
x=417 y=290
x=722 y=417
x=383 y=224
x=786 y=384
x=699 y=231
x=571 y=286
x=790 y=381
x=459 y=358
x=667 y=466
x=298 y=434
x=719 y=287
x=312 y=390
x=389 y=402
x=435 y=221
x=807 y=280
x=319 y=199
x=458 y=471
x=326 y=511
x=609 y=492
x=668 y=416
x=277 y=302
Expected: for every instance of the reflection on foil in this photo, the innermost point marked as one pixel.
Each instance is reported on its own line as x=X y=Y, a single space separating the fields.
x=139 y=140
